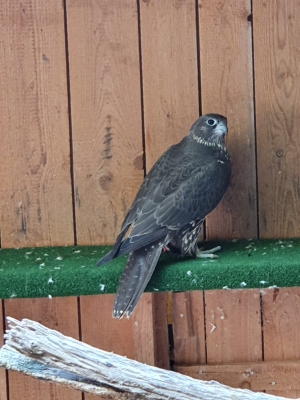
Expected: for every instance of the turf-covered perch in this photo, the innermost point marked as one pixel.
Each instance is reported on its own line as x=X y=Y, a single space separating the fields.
x=72 y=271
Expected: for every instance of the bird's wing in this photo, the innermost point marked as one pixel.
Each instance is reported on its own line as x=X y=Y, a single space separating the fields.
x=175 y=194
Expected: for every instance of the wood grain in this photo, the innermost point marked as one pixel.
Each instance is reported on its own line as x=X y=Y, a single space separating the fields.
x=3 y=389
x=124 y=337
x=106 y=114
x=169 y=64
x=253 y=376
x=160 y=314
x=188 y=328
x=281 y=319
x=60 y=314
x=227 y=88
x=35 y=194
x=119 y=380
x=133 y=337
x=233 y=326
x=277 y=92
x=143 y=330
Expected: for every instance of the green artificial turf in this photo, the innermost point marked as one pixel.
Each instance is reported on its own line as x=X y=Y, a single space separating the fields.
x=72 y=271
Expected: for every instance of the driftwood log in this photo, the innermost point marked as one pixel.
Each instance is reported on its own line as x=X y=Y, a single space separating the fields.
x=35 y=350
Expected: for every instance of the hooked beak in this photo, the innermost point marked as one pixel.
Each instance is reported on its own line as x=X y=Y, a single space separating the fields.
x=221 y=129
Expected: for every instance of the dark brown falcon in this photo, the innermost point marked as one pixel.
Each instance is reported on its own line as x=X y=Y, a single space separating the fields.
x=185 y=184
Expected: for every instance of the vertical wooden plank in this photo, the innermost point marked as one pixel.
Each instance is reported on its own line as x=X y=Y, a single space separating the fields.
x=227 y=88
x=170 y=81
x=3 y=389
x=233 y=326
x=161 y=335
x=60 y=314
x=281 y=319
x=277 y=100
x=106 y=114
x=143 y=330
x=35 y=194
x=99 y=329
x=188 y=328
x=131 y=337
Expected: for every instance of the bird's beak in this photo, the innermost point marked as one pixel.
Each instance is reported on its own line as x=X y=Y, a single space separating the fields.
x=221 y=129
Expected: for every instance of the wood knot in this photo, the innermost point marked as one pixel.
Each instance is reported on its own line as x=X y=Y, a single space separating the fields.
x=138 y=162
x=105 y=181
x=279 y=153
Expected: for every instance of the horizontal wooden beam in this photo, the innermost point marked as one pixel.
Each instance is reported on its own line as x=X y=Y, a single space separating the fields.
x=279 y=375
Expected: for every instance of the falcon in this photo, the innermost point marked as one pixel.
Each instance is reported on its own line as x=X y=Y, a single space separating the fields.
x=185 y=184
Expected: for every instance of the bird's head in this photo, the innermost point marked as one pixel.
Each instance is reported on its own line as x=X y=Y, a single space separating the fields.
x=210 y=129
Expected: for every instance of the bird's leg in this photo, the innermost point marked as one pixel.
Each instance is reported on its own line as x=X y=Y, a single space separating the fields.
x=207 y=253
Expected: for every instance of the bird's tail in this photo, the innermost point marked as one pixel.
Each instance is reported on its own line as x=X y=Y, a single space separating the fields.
x=137 y=273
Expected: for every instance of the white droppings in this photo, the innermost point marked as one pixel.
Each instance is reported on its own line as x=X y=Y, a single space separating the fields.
x=59 y=258
x=273 y=287
x=273 y=383
x=77 y=251
x=136 y=323
x=189 y=273
x=263 y=282
x=50 y=280
x=264 y=254
x=194 y=281
x=28 y=252
x=49 y=296
x=13 y=295
x=220 y=161
x=200 y=372
x=38 y=259
x=56 y=267
x=181 y=315
x=155 y=290
x=243 y=284
x=152 y=247
x=280 y=241
x=222 y=312
x=225 y=287
x=249 y=246
x=83 y=266
x=46 y=255
x=213 y=327
x=235 y=240
x=42 y=265
x=289 y=245
x=102 y=287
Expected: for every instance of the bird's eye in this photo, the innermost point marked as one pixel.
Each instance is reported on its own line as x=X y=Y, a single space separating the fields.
x=211 y=122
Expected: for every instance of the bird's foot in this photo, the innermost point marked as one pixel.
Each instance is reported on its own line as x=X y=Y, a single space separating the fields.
x=200 y=253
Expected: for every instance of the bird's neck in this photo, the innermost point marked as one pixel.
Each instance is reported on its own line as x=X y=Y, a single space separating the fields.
x=218 y=144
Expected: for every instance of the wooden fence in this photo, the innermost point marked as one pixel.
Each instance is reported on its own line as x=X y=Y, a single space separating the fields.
x=92 y=92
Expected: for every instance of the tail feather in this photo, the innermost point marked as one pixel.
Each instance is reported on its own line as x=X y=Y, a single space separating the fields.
x=137 y=273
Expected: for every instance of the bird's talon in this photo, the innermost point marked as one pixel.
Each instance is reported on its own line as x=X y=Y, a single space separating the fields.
x=207 y=253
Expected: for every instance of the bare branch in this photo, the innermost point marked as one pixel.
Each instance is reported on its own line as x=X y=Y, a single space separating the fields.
x=46 y=354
